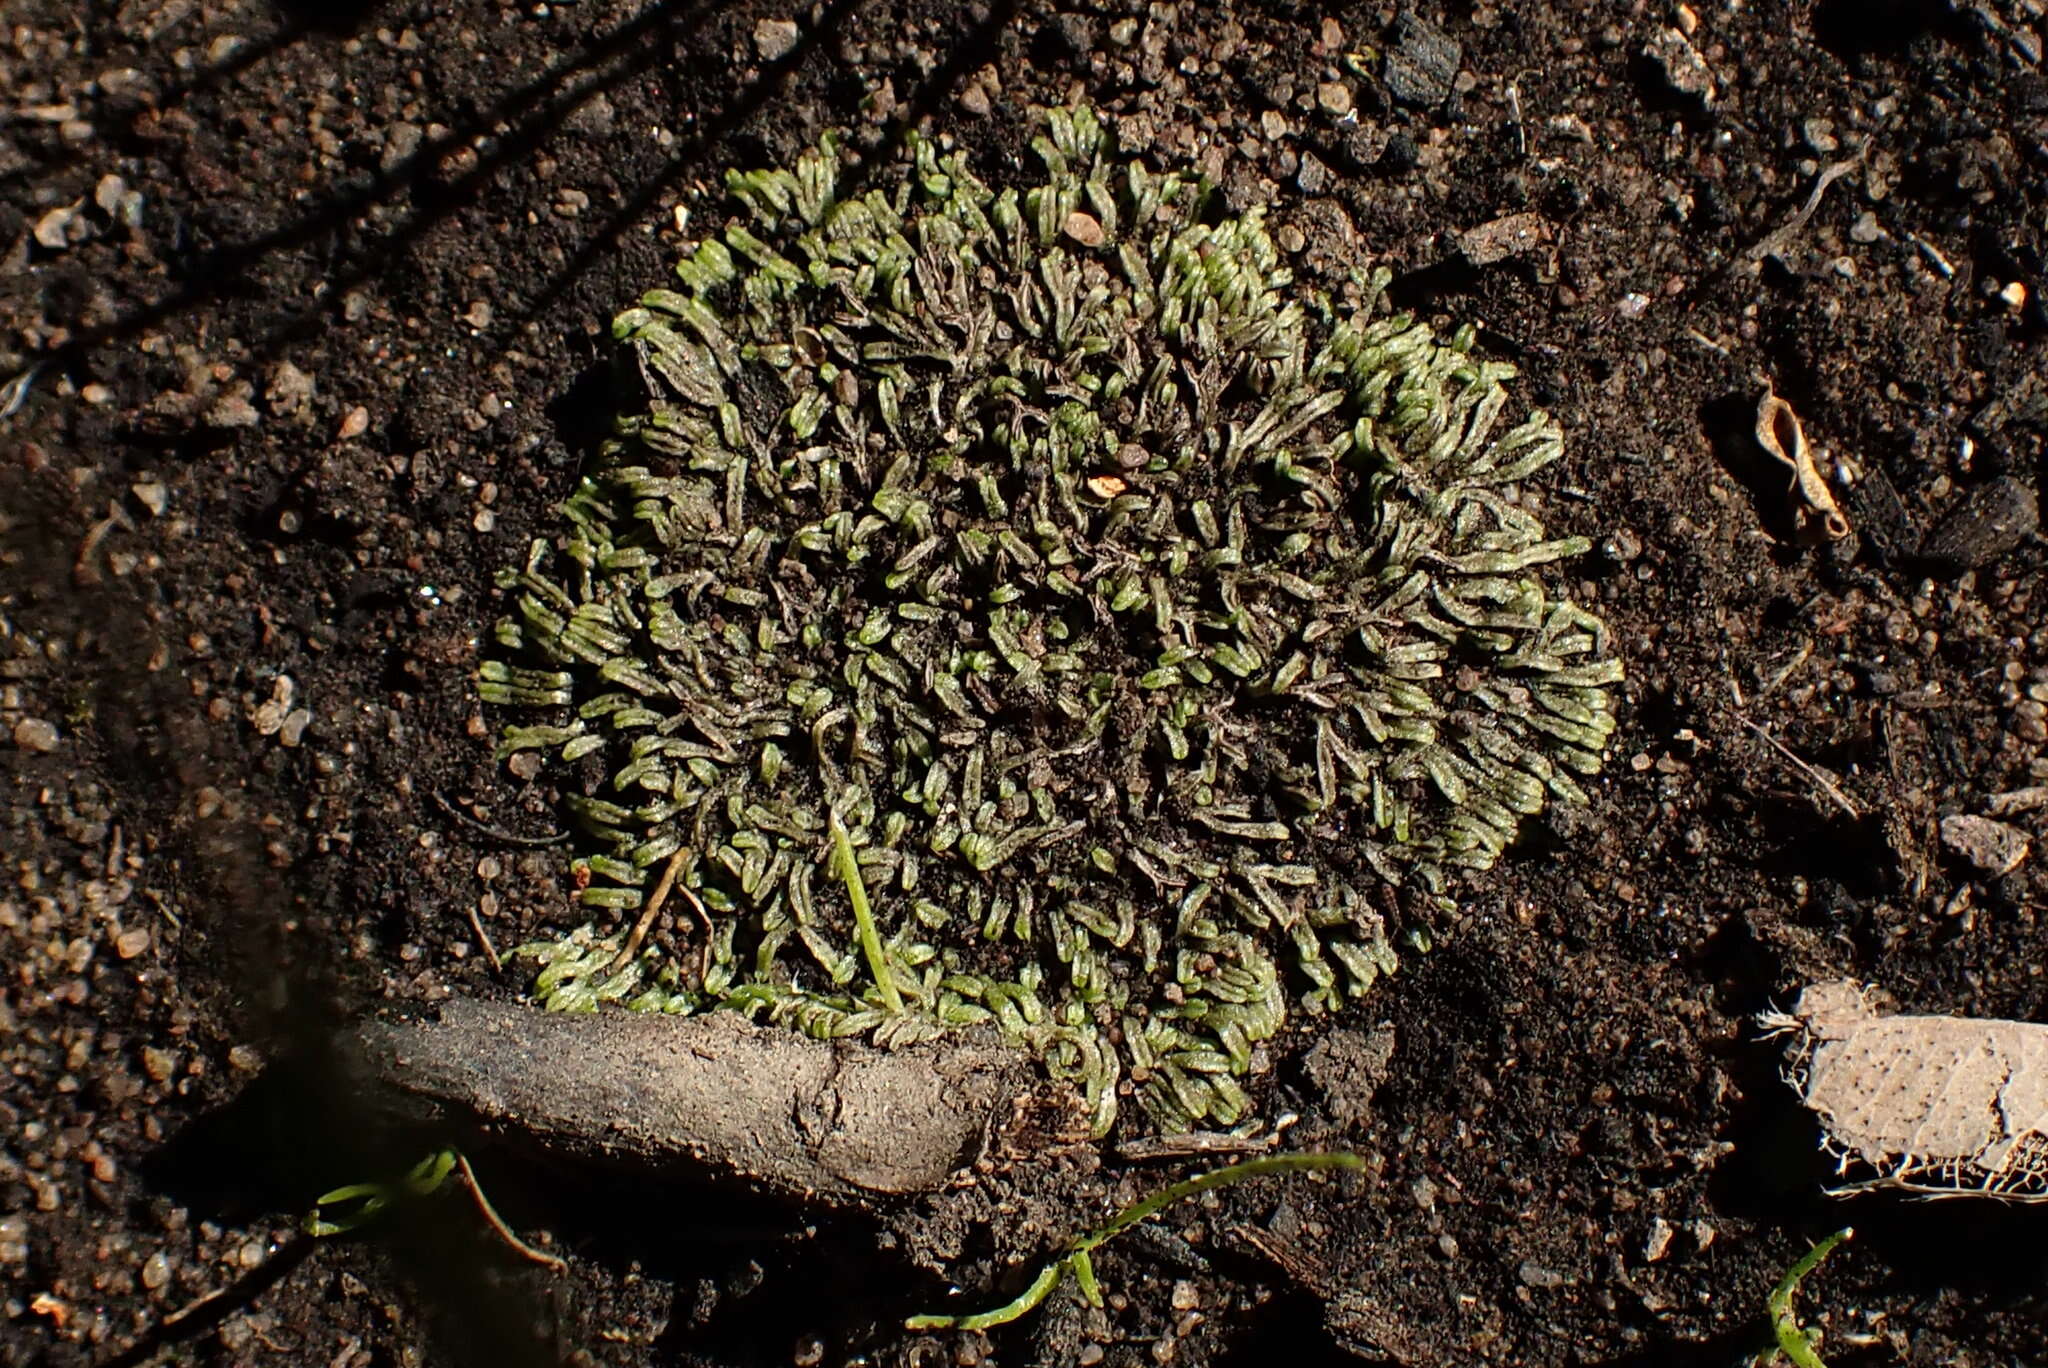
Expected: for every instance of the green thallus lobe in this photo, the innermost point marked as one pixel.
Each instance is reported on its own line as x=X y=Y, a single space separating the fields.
x=1129 y=616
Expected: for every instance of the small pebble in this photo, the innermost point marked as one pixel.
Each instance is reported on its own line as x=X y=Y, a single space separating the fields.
x=53 y=230
x=1084 y=229
x=775 y=39
x=1683 y=67
x=401 y=141
x=1621 y=546
x=233 y=410
x=1993 y=847
x=1335 y=98
x=156 y=1271
x=2017 y=800
x=1501 y=238
x=34 y=734
x=289 y=388
x=131 y=942
x=355 y=424
x=268 y=717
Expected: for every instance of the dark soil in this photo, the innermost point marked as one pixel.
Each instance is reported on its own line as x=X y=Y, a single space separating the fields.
x=311 y=299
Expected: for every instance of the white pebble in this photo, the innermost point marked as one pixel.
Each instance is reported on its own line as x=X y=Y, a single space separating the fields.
x=34 y=734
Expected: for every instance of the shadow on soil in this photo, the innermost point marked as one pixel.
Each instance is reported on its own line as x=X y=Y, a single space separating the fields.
x=765 y=1273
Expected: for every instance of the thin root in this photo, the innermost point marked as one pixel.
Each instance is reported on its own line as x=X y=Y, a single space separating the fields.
x=497 y=1222
x=638 y=936
x=496 y=833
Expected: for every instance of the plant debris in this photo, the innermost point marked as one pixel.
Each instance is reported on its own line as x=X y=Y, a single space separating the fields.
x=1988 y=522
x=1783 y=439
x=1948 y=1106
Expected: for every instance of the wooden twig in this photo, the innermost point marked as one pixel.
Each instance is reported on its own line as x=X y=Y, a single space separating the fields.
x=832 y=1120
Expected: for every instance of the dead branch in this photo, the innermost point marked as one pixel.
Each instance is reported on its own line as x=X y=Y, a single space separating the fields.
x=840 y=1121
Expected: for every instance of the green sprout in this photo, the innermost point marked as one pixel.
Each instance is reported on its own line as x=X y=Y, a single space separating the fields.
x=864 y=918
x=1794 y=1343
x=346 y=1210
x=1127 y=620
x=1078 y=1257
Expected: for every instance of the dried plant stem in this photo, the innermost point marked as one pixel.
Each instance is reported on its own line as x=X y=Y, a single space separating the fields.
x=483 y=939
x=1811 y=771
